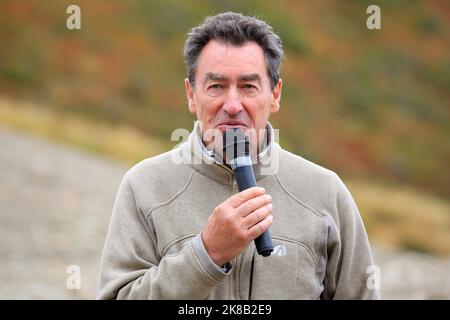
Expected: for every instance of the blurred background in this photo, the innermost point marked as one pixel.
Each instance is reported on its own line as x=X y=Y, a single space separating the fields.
x=79 y=107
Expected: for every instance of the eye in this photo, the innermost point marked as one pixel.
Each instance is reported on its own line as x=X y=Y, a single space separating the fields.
x=249 y=87
x=215 y=86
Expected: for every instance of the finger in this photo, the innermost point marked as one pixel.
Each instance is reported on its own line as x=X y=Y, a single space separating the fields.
x=243 y=196
x=260 y=227
x=257 y=215
x=253 y=204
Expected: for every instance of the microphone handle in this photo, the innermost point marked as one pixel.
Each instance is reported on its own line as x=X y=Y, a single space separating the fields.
x=245 y=178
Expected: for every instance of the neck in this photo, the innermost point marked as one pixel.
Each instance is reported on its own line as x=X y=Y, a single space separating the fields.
x=207 y=162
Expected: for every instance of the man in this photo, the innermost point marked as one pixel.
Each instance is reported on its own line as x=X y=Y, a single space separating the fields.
x=181 y=229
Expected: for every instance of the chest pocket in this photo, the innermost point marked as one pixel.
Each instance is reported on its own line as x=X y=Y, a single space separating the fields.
x=289 y=273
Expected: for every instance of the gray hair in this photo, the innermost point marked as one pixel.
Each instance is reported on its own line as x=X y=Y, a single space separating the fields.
x=236 y=29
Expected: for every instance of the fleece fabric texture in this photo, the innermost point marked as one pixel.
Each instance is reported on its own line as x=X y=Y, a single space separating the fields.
x=154 y=248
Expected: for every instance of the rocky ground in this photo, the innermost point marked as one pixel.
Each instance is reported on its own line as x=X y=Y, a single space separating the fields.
x=55 y=205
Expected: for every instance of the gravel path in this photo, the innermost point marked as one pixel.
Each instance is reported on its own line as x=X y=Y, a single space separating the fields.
x=55 y=205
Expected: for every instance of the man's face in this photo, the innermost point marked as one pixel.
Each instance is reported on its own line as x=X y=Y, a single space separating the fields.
x=232 y=88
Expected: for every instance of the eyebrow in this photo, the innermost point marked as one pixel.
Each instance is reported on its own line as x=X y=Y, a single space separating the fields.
x=250 y=77
x=211 y=76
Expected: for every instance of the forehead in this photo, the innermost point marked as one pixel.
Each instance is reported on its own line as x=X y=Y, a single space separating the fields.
x=230 y=60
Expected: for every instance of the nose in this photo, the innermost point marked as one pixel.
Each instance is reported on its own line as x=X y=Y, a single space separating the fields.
x=232 y=104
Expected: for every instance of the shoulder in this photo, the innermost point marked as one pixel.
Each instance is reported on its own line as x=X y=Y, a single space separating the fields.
x=317 y=187
x=166 y=166
x=157 y=179
x=298 y=169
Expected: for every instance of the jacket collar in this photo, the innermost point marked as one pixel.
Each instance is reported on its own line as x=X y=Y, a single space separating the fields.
x=205 y=162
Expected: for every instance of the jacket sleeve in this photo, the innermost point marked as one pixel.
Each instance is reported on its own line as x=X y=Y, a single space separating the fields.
x=131 y=268
x=350 y=264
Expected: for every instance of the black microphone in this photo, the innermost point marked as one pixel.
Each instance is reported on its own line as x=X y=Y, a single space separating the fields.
x=236 y=149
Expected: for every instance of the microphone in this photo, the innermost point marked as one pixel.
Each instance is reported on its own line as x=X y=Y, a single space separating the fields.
x=236 y=149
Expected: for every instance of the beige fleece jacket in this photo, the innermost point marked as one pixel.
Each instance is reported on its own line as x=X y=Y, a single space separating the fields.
x=154 y=250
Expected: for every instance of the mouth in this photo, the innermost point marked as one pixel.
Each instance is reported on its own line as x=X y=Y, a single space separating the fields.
x=230 y=125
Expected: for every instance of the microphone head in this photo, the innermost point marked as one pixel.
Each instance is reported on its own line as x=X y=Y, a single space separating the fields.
x=235 y=144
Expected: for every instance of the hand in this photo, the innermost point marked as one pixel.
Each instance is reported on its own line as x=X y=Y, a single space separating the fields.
x=236 y=222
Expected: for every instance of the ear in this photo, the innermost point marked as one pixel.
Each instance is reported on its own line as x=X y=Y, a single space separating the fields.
x=190 y=95
x=276 y=94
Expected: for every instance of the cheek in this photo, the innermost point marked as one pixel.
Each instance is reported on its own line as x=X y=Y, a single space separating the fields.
x=207 y=109
x=260 y=112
